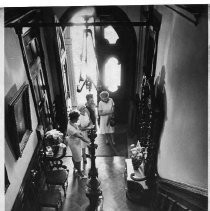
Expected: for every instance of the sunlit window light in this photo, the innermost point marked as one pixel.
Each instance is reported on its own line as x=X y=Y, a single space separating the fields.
x=79 y=63
x=112 y=74
x=78 y=17
x=110 y=34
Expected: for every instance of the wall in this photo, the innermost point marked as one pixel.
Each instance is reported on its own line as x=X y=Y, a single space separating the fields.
x=2 y=202
x=133 y=13
x=59 y=11
x=182 y=48
x=14 y=77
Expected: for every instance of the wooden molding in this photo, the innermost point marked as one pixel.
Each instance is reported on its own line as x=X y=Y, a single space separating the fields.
x=193 y=189
x=172 y=195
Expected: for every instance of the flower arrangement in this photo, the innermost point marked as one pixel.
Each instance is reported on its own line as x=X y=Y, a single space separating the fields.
x=53 y=141
x=54 y=135
x=138 y=155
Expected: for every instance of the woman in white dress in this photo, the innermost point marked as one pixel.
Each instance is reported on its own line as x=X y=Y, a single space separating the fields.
x=74 y=142
x=84 y=124
x=105 y=111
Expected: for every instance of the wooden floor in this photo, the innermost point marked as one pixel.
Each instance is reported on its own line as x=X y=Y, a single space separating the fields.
x=111 y=175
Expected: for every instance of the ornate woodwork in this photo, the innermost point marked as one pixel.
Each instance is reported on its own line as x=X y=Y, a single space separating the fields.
x=145 y=114
x=60 y=103
x=146 y=118
x=34 y=62
x=174 y=196
x=93 y=191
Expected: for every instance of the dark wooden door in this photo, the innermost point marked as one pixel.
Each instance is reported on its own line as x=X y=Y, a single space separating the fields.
x=124 y=52
x=62 y=63
x=63 y=78
x=37 y=74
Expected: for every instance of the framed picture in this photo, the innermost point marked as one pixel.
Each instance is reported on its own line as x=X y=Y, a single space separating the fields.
x=19 y=120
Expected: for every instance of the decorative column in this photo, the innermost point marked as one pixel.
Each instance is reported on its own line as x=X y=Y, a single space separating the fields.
x=93 y=190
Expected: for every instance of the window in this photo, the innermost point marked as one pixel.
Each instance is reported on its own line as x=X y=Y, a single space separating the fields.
x=110 y=35
x=84 y=61
x=112 y=74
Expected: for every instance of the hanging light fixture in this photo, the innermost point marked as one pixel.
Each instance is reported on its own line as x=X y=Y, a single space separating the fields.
x=89 y=65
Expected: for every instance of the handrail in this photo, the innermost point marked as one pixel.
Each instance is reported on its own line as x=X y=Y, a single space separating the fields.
x=171 y=195
x=197 y=190
x=21 y=18
x=50 y=24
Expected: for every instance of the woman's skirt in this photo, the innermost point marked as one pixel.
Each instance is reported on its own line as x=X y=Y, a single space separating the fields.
x=76 y=149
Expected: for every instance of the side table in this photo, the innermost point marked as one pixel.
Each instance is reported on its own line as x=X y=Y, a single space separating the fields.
x=56 y=159
x=136 y=188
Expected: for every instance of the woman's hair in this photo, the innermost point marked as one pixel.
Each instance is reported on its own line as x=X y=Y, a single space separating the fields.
x=104 y=94
x=73 y=115
x=89 y=96
x=81 y=107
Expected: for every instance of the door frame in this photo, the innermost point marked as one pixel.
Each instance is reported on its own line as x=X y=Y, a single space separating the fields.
x=21 y=34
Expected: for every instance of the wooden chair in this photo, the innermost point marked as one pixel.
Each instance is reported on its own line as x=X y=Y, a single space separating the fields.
x=55 y=172
x=42 y=197
x=58 y=176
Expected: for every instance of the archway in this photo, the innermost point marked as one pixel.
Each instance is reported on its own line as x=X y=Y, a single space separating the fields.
x=124 y=50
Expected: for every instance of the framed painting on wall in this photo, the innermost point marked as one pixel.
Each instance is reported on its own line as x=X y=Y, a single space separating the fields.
x=19 y=120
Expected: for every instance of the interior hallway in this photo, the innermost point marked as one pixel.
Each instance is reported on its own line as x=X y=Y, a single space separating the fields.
x=155 y=48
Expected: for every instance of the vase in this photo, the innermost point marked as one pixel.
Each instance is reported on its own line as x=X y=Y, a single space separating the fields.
x=136 y=162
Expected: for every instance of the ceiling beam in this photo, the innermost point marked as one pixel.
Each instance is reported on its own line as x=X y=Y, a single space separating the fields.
x=105 y=23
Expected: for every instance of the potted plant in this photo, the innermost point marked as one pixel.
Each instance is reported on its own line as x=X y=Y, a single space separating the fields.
x=138 y=155
x=53 y=141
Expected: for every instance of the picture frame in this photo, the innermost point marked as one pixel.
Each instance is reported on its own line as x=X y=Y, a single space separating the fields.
x=19 y=120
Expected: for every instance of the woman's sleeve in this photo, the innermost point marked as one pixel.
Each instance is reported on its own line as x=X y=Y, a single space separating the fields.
x=88 y=113
x=112 y=108
x=112 y=102
x=79 y=121
x=100 y=106
x=72 y=131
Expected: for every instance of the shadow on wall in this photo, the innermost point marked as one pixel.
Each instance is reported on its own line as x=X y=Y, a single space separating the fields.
x=159 y=108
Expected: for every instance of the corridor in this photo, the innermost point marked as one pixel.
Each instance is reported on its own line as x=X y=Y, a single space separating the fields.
x=152 y=60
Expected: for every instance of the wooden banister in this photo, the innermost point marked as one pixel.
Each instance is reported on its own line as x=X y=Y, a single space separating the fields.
x=175 y=196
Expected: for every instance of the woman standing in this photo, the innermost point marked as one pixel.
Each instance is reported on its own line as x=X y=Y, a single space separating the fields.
x=105 y=111
x=74 y=142
x=90 y=105
x=84 y=124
